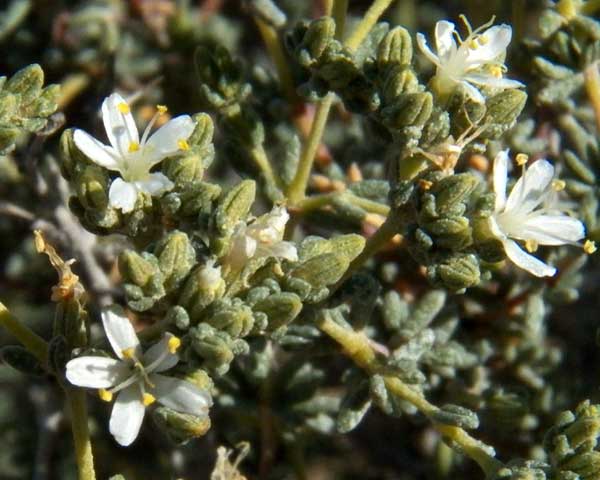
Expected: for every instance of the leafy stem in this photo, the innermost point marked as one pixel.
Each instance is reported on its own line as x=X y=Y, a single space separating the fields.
x=357 y=346
x=297 y=188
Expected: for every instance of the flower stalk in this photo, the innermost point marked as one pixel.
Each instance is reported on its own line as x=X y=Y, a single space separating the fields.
x=81 y=435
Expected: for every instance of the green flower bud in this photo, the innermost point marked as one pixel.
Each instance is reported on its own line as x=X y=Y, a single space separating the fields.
x=505 y=107
x=70 y=321
x=456 y=272
x=180 y=427
x=399 y=81
x=236 y=320
x=316 y=39
x=92 y=187
x=143 y=277
x=234 y=206
x=178 y=316
x=452 y=192
x=214 y=349
x=322 y=270
x=280 y=308
x=203 y=286
x=176 y=257
x=395 y=48
x=410 y=110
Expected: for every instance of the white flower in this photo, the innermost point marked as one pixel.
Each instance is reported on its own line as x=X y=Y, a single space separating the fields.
x=135 y=378
x=463 y=64
x=527 y=216
x=262 y=238
x=131 y=156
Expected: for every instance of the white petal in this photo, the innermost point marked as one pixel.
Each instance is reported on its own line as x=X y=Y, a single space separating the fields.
x=165 y=141
x=472 y=92
x=96 y=372
x=155 y=185
x=286 y=250
x=120 y=127
x=530 y=190
x=444 y=40
x=127 y=416
x=525 y=261
x=122 y=195
x=552 y=229
x=160 y=349
x=96 y=151
x=119 y=331
x=500 y=176
x=490 y=80
x=180 y=395
x=422 y=42
x=497 y=40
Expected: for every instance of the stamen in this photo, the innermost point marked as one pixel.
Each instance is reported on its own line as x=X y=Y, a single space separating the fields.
x=531 y=245
x=183 y=144
x=558 y=185
x=473 y=45
x=128 y=352
x=425 y=184
x=589 y=246
x=162 y=109
x=123 y=108
x=105 y=395
x=133 y=147
x=483 y=40
x=173 y=344
x=521 y=159
x=148 y=399
x=496 y=71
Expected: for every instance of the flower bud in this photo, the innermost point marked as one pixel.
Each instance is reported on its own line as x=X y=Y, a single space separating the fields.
x=176 y=257
x=180 y=427
x=395 y=48
x=203 y=286
x=280 y=308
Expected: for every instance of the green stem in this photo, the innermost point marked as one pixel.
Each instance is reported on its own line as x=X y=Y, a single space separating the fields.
x=297 y=187
x=366 y=24
x=357 y=346
x=273 y=44
x=340 y=7
x=81 y=435
x=315 y=202
x=35 y=344
x=262 y=161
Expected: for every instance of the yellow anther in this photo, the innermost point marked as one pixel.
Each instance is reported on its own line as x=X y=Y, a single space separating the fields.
x=522 y=159
x=558 y=185
x=425 y=184
x=589 y=247
x=105 y=395
x=183 y=144
x=173 y=344
x=133 y=147
x=473 y=45
x=531 y=245
x=483 y=40
x=148 y=399
x=162 y=109
x=496 y=71
x=123 y=108
x=128 y=352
